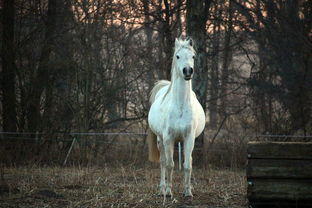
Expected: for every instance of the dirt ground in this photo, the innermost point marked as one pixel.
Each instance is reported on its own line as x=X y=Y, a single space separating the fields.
x=118 y=186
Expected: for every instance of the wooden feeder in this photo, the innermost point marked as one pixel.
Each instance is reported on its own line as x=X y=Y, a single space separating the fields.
x=279 y=174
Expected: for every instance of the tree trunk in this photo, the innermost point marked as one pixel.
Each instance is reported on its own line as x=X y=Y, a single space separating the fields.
x=178 y=18
x=169 y=41
x=149 y=34
x=147 y=25
x=42 y=80
x=214 y=75
x=227 y=57
x=8 y=67
x=196 y=18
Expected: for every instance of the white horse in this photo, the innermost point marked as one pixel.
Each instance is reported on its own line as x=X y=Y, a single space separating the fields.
x=175 y=115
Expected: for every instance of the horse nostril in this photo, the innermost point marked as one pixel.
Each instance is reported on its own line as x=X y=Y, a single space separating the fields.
x=184 y=71
x=191 y=70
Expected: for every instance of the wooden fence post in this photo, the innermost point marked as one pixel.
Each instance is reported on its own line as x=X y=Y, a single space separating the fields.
x=69 y=151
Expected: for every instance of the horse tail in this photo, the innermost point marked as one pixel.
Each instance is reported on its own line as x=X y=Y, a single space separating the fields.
x=160 y=84
x=153 y=152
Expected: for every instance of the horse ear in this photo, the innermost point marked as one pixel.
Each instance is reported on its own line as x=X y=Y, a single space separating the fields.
x=191 y=42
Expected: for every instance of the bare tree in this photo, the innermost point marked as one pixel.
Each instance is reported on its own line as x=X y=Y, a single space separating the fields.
x=214 y=69
x=8 y=67
x=226 y=60
x=285 y=73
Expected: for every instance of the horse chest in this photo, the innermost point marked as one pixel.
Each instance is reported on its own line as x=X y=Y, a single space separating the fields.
x=180 y=122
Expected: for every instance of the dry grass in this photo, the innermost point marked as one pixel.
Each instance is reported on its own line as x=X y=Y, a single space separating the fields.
x=115 y=187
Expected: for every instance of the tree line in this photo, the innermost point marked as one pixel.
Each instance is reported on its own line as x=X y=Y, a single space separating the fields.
x=88 y=65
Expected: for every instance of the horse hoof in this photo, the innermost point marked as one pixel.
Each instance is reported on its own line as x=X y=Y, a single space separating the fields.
x=167 y=195
x=187 y=194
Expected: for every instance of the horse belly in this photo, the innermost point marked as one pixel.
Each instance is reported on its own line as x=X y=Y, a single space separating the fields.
x=152 y=120
x=155 y=118
x=201 y=121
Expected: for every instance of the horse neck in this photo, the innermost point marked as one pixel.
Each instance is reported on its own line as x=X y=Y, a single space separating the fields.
x=181 y=90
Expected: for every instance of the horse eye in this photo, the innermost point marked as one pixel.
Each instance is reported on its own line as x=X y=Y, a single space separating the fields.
x=193 y=57
x=178 y=57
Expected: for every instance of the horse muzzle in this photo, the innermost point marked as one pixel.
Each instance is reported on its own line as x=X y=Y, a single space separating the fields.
x=187 y=78
x=188 y=73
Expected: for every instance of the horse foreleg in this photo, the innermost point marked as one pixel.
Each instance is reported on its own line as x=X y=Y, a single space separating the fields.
x=162 y=185
x=169 y=165
x=188 y=149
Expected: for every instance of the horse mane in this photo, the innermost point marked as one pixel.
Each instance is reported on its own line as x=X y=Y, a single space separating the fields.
x=158 y=85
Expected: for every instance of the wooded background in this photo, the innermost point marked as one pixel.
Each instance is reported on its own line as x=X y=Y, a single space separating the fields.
x=89 y=65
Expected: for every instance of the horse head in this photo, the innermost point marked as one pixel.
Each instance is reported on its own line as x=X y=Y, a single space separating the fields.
x=183 y=59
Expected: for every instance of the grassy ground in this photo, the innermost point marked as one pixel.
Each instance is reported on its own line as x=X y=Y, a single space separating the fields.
x=117 y=186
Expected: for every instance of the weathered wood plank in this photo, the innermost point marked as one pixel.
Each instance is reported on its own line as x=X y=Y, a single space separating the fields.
x=259 y=189
x=283 y=169
x=280 y=204
x=280 y=150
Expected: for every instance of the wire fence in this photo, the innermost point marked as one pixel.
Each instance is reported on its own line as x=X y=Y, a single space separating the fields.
x=283 y=138
x=67 y=137
x=18 y=146
x=65 y=148
x=110 y=137
x=91 y=137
